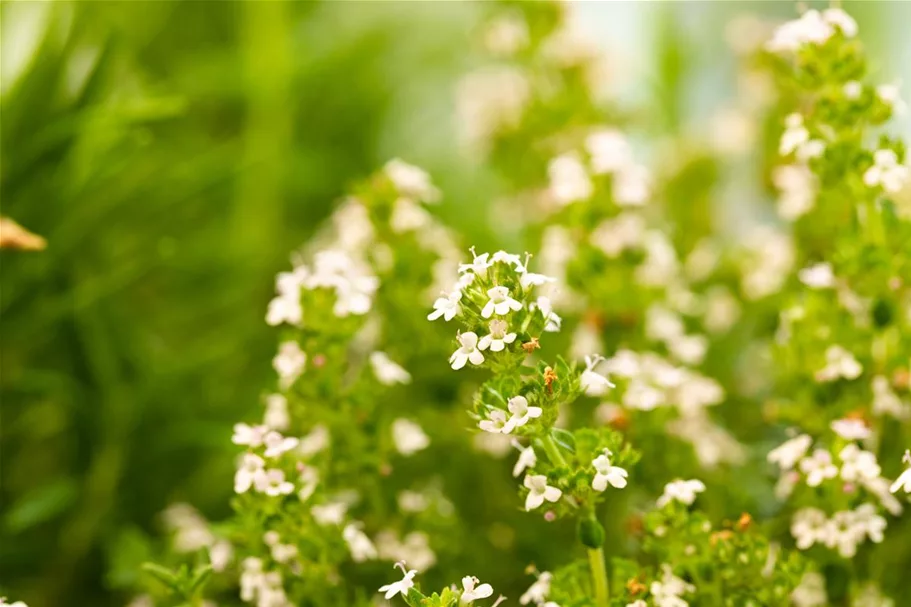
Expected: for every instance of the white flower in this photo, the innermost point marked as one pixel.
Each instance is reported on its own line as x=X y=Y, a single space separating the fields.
x=637 y=603
x=794 y=135
x=851 y=429
x=273 y=483
x=360 y=546
x=472 y=591
x=569 y=180
x=839 y=363
x=539 y=490
x=853 y=89
x=478 y=266
x=841 y=20
x=631 y=186
x=309 y=480
x=796 y=184
x=250 y=472
x=408 y=437
x=613 y=236
x=552 y=321
x=811 y=592
x=903 y=482
x=403 y=586
x=858 y=465
x=289 y=363
x=527 y=458
x=251 y=436
x=868 y=522
x=790 y=452
x=593 y=383
x=497 y=339
x=810 y=28
x=468 y=351
x=276 y=444
x=890 y=95
x=607 y=474
x=609 y=151
x=314 y=442
x=277 y=416
x=808 y=527
x=818 y=467
x=841 y=532
x=521 y=412
x=286 y=306
x=509 y=259
x=681 y=491
x=446 y=306
x=530 y=279
x=500 y=302
x=819 y=276
x=887 y=402
x=408 y=216
x=411 y=181
x=887 y=172
x=331 y=513
x=496 y=422
x=506 y=35
x=538 y=591
x=387 y=372
x=667 y=591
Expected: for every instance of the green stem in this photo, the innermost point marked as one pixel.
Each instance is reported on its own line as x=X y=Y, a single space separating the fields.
x=553 y=451
x=599 y=576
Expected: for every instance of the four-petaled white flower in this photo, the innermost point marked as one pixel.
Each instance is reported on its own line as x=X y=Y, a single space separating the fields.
x=818 y=467
x=411 y=181
x=851 y=429
x=500 y=303
x=593 y=383
x=681 y=491
x=468 y=351
x=839 y=363
x=569 y=180
x=403 y=586
x=409 y=437
x=496 y=422
x=497 y=339
x=527 y=458
x=521 y=412
x=858 y=465
x=887 y=172
x=790 y=452
x=251 y=436
x=289 y=363
x=808 y=527
x=818 y=276
x=473 y=591
x=446 y=306
x=606 y=474
x=386 y=371
x=250 y=472
x=903 y=482
x=530 y=279
x=478 y=265
x=276 y=444
x=360 y=546
x=539 y=490
x=273 y=483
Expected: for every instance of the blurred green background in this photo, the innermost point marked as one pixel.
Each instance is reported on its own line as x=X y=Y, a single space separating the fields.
x=173 y=153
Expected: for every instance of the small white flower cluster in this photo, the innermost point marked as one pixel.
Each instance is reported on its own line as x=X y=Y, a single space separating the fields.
x=682 y=491
x=887 y=402
x=844 y=531
x=491 y=101
x=797 y=187
x=652 y=382
x=482 y=286
x=840 y=364
x=670 y=589
x=472 y=588
x=768 y=260
x=608 y=153
x=413 y=548
x=607 y=474
x=887 y=172
x=3 y=603
x=521 y=412
x=813 y=27
x=666 y=326
x=264 y=588
x=352 y=282
x=796 y=140
x=253 y=473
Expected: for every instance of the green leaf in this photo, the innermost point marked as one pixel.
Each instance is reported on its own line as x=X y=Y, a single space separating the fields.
x=41 y=505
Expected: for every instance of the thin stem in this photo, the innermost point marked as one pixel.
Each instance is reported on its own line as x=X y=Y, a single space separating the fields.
x=599 y=576
x=553 y=451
